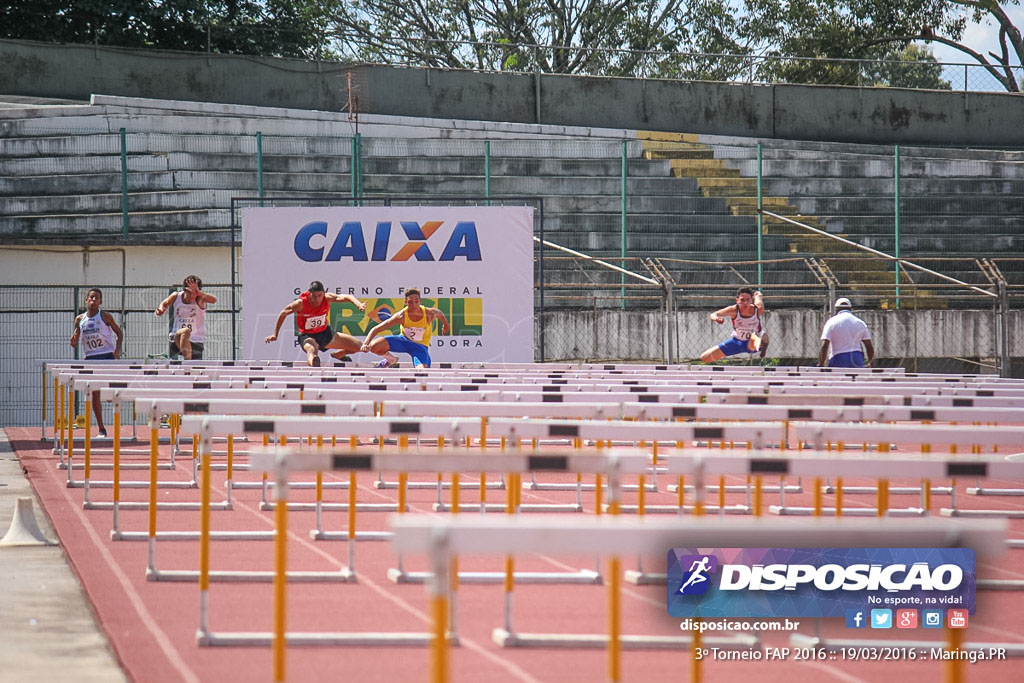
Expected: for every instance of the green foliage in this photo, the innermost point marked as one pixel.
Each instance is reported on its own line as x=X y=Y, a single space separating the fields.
x=270 y=27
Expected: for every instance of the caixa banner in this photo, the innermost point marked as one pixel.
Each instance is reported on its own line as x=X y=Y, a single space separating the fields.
x=817 y=582
x=475 y=264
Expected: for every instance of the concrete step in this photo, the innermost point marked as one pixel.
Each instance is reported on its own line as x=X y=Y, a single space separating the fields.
x=75 y=165
x=177 y=200
x=534 y=148
x=701 y=206
x=145 y=143
x=238 y=181
x=84 y=227
x=667 y=223
x=746 y=148
x=655 y=136
x=878 y=167
x=514 y=166
x=704 y=172
x=924 y=223
x=527 y=185
x=644 y=243
x=933 y=205
x=884 y=188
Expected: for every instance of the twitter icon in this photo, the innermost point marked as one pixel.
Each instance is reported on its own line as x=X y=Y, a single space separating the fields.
x=881 y=618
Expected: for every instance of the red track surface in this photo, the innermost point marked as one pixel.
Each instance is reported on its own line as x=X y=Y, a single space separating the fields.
x=152 y=625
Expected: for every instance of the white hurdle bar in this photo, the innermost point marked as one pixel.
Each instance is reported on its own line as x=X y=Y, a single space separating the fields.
x=444 y=539
x=925 y=438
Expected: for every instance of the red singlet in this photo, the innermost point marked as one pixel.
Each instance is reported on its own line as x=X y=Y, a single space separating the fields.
x=312 y=320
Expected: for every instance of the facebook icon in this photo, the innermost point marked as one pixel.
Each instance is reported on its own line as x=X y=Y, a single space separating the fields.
x=856 y=618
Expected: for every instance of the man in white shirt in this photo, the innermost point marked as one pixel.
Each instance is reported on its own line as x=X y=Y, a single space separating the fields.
x=841 y=339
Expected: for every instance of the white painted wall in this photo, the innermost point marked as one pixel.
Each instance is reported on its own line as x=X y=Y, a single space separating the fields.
x=25 y=265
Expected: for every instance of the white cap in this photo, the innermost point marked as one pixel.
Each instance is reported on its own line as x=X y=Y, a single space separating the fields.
x=843 y=302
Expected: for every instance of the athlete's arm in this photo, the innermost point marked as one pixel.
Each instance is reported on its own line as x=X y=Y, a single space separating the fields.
x=395 y=319
x=165 y=304
x=202 y=298
x=823 y=354
x=285 y=312
x=871 y=351
x=330 y=296
x=109 y=320
x=75 y=333
x=759 y=302
x=436 y=313
x=720 y=315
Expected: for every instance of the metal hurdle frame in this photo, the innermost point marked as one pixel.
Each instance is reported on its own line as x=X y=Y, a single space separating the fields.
x=823 y=436
x=443 y=539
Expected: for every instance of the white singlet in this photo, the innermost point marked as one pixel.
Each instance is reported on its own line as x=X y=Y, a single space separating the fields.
x=743 y=327
x=97 y=336
x=192 y=316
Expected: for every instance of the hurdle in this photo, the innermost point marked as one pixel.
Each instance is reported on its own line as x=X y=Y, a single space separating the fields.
x=757 y=434
x=282 y=461
x=444 y=539
x=204 y=575
x=698 y=464
x=924 y=436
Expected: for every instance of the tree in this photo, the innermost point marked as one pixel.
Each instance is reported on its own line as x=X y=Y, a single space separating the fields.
x=947 y=26
x=915 y=68
x=267 y=27
x=556 y=36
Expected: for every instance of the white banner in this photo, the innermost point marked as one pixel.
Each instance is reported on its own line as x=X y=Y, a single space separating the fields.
x=473 y=263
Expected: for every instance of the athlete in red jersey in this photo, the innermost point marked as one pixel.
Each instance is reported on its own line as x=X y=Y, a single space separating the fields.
x=315 y=334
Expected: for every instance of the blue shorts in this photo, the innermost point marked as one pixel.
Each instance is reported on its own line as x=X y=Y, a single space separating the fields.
x=101 y=356
x=733 y=346
x=420 y=353
x=850 y=359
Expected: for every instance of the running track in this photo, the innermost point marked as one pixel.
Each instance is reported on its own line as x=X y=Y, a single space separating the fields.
x=152 y=625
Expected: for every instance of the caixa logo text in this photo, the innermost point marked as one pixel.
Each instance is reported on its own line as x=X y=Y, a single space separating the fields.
x=312 y=242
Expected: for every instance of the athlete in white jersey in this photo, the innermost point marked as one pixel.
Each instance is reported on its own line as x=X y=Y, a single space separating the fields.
x=101 y=340
x=188 y=330
x=748 y=335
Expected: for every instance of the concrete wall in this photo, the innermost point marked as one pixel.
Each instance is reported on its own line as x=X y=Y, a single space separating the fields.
x=611 y=334
x=112 y=265
x=841 y=114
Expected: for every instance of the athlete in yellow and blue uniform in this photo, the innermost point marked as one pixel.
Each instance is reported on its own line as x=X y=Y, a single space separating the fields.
x=417 y=324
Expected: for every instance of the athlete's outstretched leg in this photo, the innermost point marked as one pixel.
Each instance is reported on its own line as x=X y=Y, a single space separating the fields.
x=312 y=349
x=712 y=354
x=345 y=344
x=183 y=339
x=381 y=347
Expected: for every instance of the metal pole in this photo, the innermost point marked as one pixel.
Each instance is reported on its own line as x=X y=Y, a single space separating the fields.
x=487 y=171
x=896 y=183
x=352 y=169
x=760 y=221
x=622 y=244
x=671 y=322
x=1004 y=330
x=359 y=168
x=124 y=184
x=234 y=304
x=259 y=165
x=541 y=283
